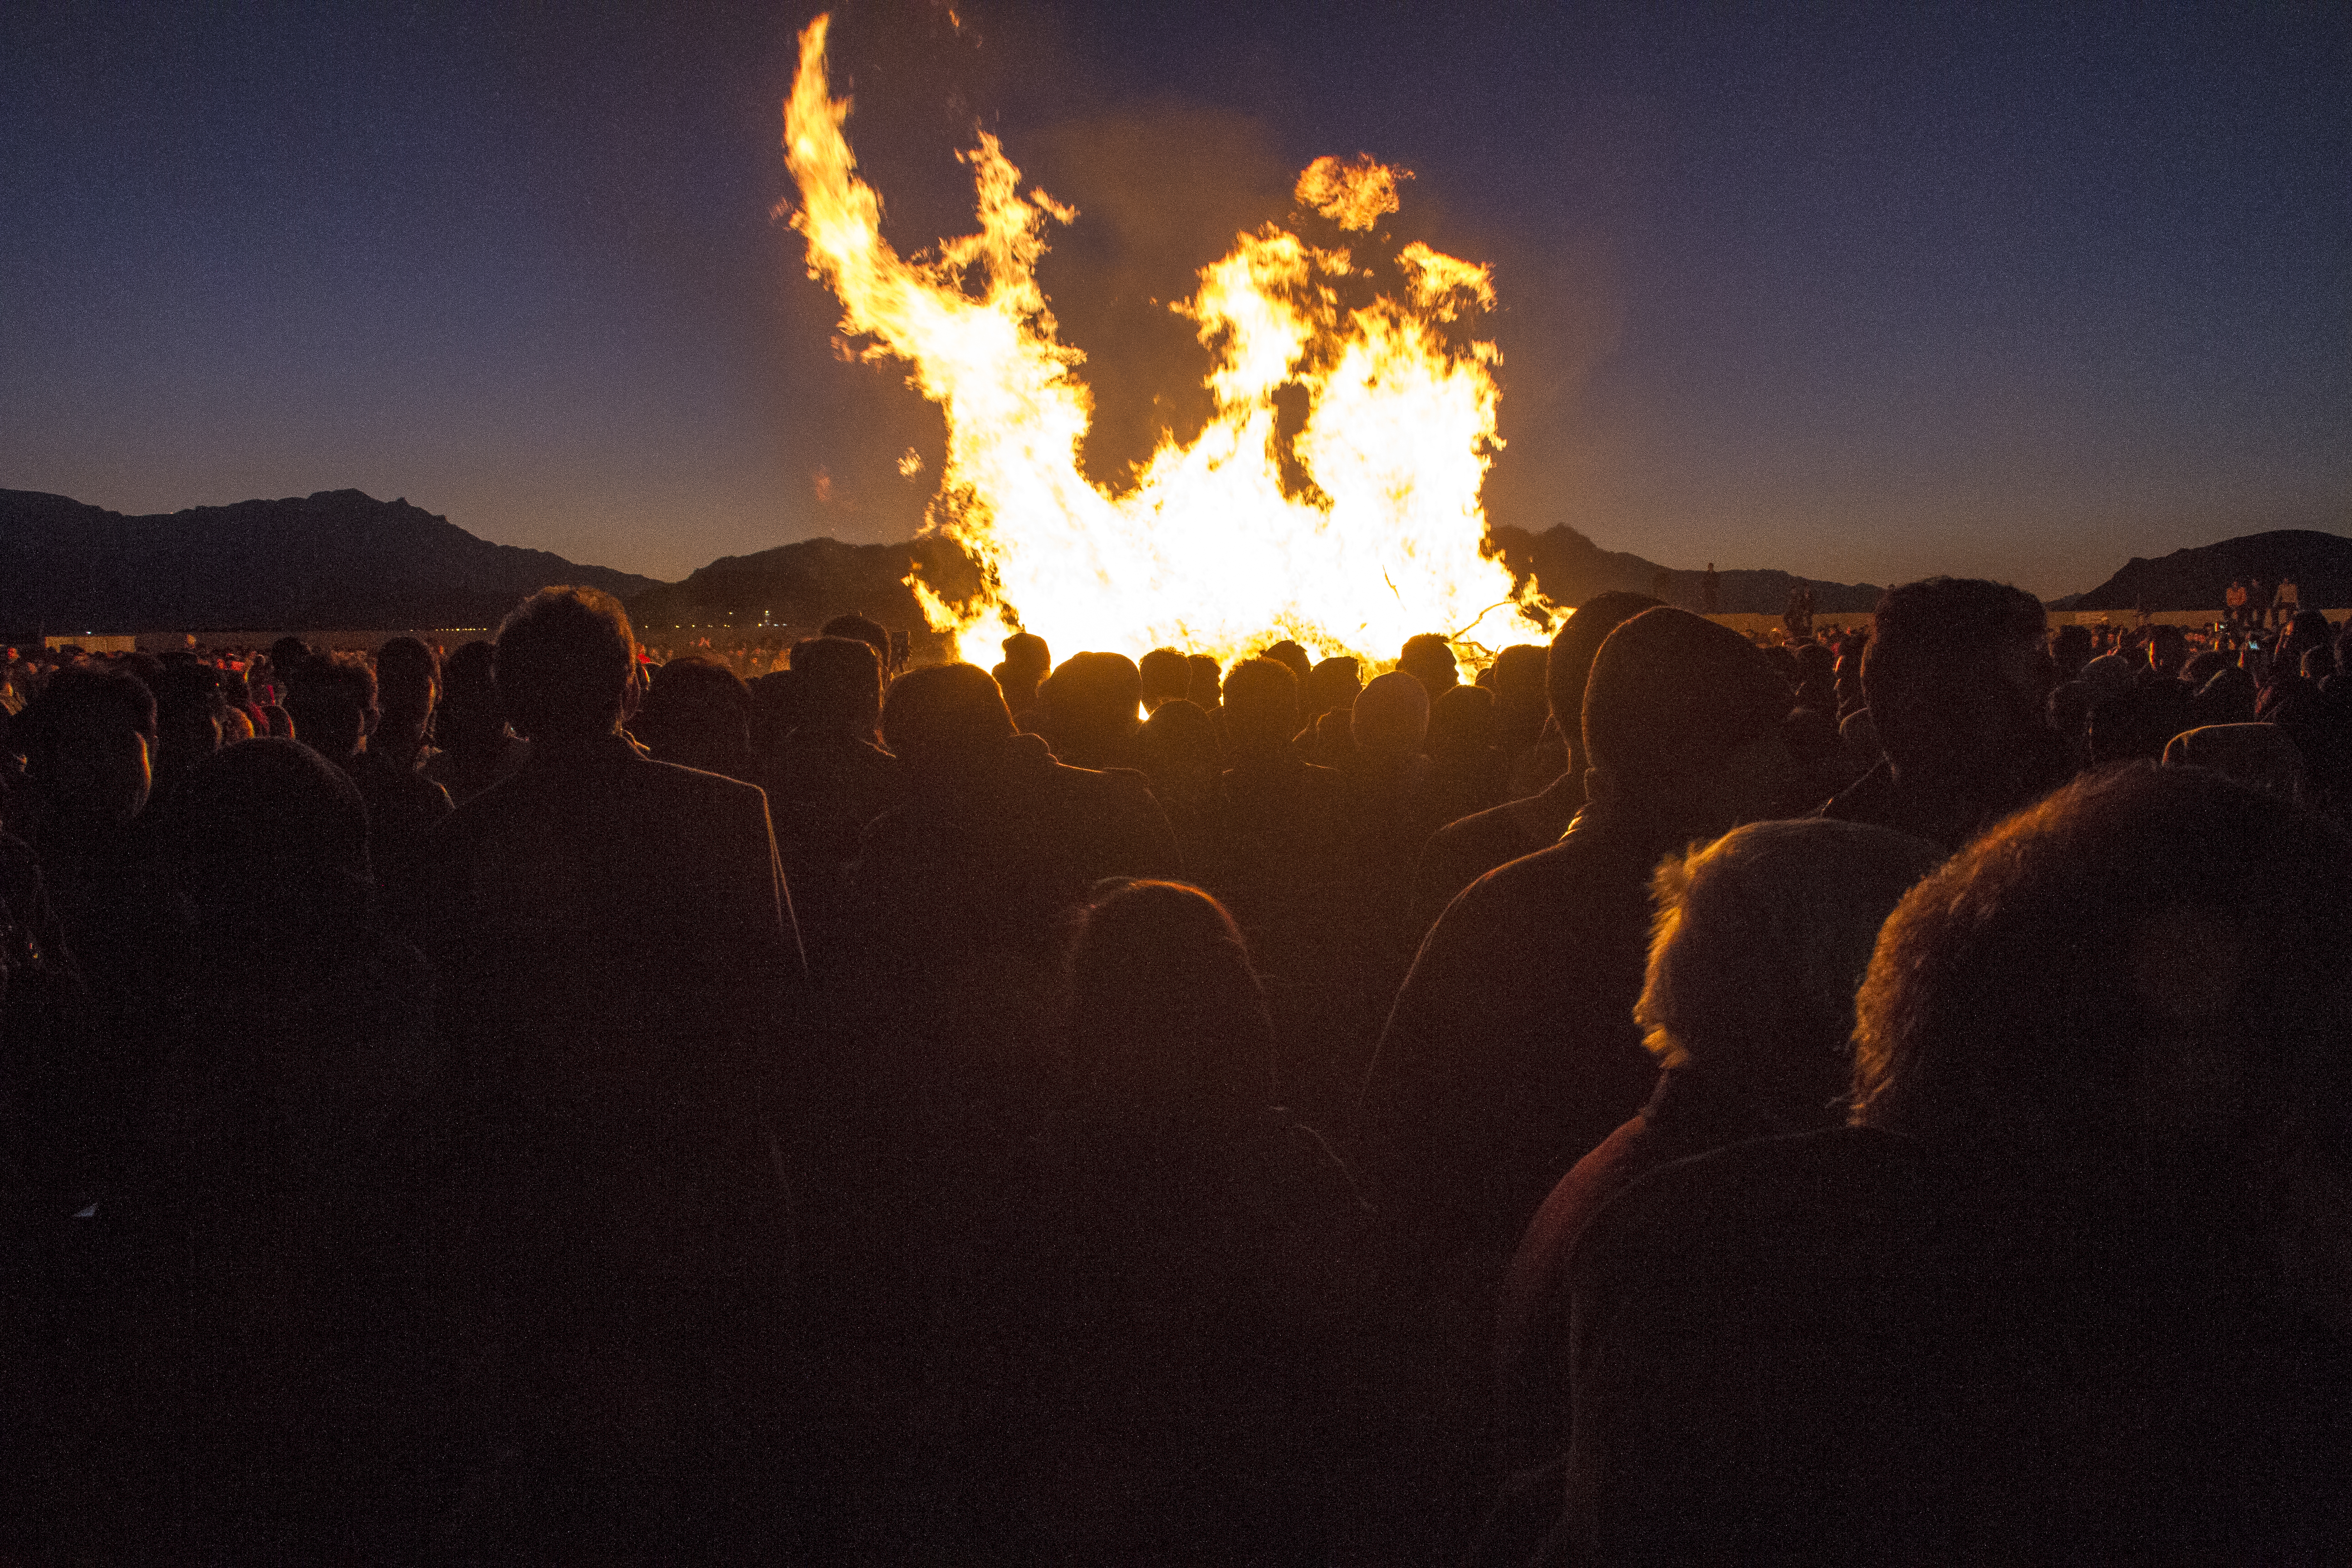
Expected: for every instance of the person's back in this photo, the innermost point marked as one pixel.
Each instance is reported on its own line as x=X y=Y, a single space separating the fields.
x=1184 y=1286
x=621 y=983
x=262 y=1237
x=996 y=839
x=1957 y=679
x=828 y=779
x=2060 y=1294
x=1512 y=1048
x=1461 y=851
x=1759 y=941
x=470 y=728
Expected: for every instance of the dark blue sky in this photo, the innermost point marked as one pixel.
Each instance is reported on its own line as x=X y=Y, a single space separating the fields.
x=1863 y=294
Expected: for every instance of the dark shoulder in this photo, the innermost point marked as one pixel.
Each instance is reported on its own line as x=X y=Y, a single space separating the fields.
x=1709 y=1211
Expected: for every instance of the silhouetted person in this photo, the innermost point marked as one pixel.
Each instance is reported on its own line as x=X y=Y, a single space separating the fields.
x=2257 y=756
x=1182 y=756
x=1028 y=661
x=1185 y=1288
x=1459 y=853
x=1208 y=682
x=996 y=839
x=861 y=628
x=1511 y=1050
x=1429 y=658
x=621 y=983
x=1467 y=769
x=260 y=1235
x=333 y=700
x=408 y=685
x=188 y=706
x=696 y=713
x=1957 y=679
x=1089 y=711
x=831 y=779
x=1521 y=704
x=1761 y=939
x=1165 y=676
x=469 y=727
x=2069 y=1290
x=1276 y=848
x=1292 y=657
x=83 y=809
x=1710 y=599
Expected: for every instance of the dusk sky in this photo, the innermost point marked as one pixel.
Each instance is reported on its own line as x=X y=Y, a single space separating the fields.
x=1861 y=294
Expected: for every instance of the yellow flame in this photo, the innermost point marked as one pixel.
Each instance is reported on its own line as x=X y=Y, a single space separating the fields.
x=1353 y=195
x=1375 y=534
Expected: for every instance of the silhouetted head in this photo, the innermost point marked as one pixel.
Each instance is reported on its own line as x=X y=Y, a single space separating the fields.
x=272 y=840
x=1260 y=706
x=1165 y=675
x=1759 y=941
x=1956 y=666
x=2135 y=959
x=1460 y=725
x=2260 y=756
x=1090 y=706
x=1390 y=719
x=1027 y=653
x=1181 y=755
x=565 y=665
x=188 y=706
x=333 y=702
x=946 y=720
x=1429 y=658
x=2168 y=650
x=1167 y=1024
x=89 y=741
x=1569 y=663
x=286 y=656
x=408 y=679
x=1292 y=657
x=1208 y=682
x=698 y=714
x=1683 y=724
x=2070 y=650
x=469 y=713
x=1520 y=699
x=860 y=628
x=1331 y=686
x=840 y=686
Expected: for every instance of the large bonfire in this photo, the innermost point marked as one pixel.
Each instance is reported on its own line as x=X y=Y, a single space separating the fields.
x=1373 y=535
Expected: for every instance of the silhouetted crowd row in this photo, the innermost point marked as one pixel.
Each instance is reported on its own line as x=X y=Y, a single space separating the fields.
x=1869 y=1096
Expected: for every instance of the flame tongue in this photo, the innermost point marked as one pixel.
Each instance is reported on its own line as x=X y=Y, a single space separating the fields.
x=1378 y=533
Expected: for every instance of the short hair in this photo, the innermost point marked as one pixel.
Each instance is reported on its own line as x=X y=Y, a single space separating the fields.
x=330 y=701
x=1261 y=702
x=2020 y=994
x=1935 y=635
x=1167 y=1017
x=406 y=674
x=944 y=713
x=1165 y=676
x=1291 y=657
x=840 y=682
x=1760 y=940
x=859 y=628
x=1568 y=664
x=1429 y=658
x=565 y=659
x=83 y=700
x=1092 y=693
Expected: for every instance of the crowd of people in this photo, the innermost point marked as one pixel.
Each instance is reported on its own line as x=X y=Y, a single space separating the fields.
x=1666 y=1097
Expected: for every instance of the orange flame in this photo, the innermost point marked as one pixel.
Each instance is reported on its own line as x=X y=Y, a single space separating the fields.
x=1377 y=533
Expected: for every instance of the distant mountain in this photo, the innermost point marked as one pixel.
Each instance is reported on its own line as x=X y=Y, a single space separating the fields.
x=2320 y=565
x=804 y=584
x=1571 y=569
x=338 y=558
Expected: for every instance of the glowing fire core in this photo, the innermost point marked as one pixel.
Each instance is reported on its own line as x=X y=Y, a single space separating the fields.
x=1375 y=535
